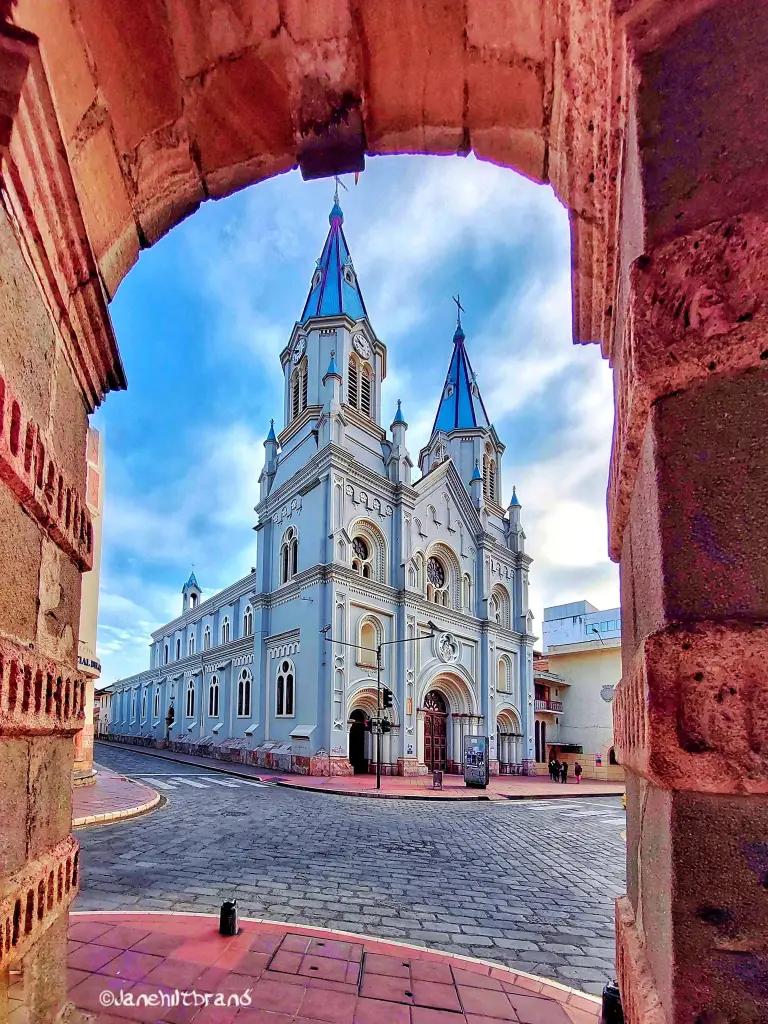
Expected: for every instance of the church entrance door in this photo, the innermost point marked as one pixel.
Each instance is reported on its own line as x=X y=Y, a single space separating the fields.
x=357 y=757
x=435 y=732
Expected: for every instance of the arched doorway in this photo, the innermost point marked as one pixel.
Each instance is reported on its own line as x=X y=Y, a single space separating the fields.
x=357 y=757
x=435 y=731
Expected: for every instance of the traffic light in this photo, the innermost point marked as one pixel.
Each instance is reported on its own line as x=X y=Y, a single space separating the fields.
x=386 y=725
x=388 y=698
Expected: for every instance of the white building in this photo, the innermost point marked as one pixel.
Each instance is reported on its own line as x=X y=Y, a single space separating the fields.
x=350 y=544
x=582 y=662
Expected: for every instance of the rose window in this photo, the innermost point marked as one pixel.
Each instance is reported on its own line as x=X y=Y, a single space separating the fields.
x=436 y=582
x=361 y=558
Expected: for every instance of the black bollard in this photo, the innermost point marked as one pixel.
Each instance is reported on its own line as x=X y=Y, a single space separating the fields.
x=228 y=918
x=612 y=1012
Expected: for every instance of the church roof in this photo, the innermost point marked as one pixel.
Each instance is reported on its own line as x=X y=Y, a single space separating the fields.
x=461 y=407
x=192 y=581
x=334 y=288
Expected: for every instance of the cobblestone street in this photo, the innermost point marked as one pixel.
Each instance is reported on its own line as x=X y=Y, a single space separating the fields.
x=529 y=884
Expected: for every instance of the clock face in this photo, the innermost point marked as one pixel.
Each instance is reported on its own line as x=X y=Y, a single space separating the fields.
x=435 y=573
x=300 y=348
x=362 y=345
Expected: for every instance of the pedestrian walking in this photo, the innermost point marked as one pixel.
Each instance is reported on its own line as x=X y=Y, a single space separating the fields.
x=577 y=769
x=552 y=769
x=564 y=772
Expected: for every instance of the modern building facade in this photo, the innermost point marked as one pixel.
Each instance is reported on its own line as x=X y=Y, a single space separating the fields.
x=581 y=664
x=279 y=669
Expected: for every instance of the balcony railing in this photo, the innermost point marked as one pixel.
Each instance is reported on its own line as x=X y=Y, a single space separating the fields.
x=548 y=705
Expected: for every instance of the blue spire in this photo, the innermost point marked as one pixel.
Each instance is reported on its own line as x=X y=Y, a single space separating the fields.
x=476 y=474
x=271 y=434
x=334 y=288
x=515 y=502
x=191 y=582
x=461 y=407
x=399 y=418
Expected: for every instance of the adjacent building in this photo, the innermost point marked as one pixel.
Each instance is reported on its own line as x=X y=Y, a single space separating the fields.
x=279 y=668
x=575 y=680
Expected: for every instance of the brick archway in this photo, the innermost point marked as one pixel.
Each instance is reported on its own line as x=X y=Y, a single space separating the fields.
x=648 y=120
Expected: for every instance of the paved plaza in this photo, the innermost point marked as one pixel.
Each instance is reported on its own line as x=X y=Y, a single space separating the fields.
x=526 y=884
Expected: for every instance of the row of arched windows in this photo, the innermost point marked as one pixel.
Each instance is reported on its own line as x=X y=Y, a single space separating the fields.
x=225 y=635
x=243 y=696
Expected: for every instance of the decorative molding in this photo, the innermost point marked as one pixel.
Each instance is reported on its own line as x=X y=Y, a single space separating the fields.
x=287 y=510
x=35 y=897
x=40 y=197
x=41 y=487
x=372 y=504
x=38 y=696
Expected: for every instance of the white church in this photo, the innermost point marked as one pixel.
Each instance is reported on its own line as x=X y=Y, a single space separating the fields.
x=352 y=548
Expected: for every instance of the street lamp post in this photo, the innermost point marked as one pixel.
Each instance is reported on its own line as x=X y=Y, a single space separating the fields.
x=377 y=651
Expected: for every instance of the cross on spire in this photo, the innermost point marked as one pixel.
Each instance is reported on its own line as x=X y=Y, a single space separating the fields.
x=459 y=309
x=338 y=181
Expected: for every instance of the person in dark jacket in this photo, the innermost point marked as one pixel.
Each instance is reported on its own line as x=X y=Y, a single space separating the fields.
x=553 y=769
x=564 y=772
x=577 y=770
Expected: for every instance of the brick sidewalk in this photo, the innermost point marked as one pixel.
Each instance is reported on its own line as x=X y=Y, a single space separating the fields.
x=111 y=798
x=294 y=975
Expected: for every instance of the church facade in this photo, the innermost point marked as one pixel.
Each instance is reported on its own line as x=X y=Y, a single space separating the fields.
x=279 y=669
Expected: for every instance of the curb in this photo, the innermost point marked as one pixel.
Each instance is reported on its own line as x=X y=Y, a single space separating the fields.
x=120 y=815
x=358 y=937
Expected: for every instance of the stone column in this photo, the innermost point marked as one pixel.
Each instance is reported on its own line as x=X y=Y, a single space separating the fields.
x=688 y=498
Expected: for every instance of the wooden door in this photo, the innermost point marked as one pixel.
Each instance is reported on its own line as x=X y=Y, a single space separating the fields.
x=435 y=732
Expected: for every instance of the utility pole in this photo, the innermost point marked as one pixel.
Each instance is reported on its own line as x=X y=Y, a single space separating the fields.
x=377 y=651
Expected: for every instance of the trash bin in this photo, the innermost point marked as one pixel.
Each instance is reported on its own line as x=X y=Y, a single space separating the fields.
x=437 y=779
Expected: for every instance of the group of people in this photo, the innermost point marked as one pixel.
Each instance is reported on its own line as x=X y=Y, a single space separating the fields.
x=558 y=771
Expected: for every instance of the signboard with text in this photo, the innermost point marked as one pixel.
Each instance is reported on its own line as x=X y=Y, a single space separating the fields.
x=475 y=760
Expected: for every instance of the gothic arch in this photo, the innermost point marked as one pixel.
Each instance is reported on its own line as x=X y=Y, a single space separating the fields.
x=377 y=544
x=362 y=697
x=455 y=684
x=370 y=633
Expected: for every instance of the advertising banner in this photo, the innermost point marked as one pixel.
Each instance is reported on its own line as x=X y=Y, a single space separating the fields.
x=475 y=760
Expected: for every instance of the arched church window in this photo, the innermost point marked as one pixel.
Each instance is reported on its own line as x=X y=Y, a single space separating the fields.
x=285 y=689
x=156 y=703
x=498 y=606
x=502 y=676
x=213 y=698
x=193 y=600
x=437 y=582
x=248 y=621
x=133 y=705
x=353 y=389
x=361 y=558
x=466 y=593
x=489 y=475
x=298 y=389
x=225 y=630
x=370 y=638
x=165 y=654
x=366 y=403
x=207 y=639
x=178 y=648
x=143 y=704
x=191 y=644
x=244 y=694
x=289 y=555
x=191 y=699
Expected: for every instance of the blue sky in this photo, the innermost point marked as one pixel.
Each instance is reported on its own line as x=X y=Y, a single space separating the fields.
x=203 y=316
